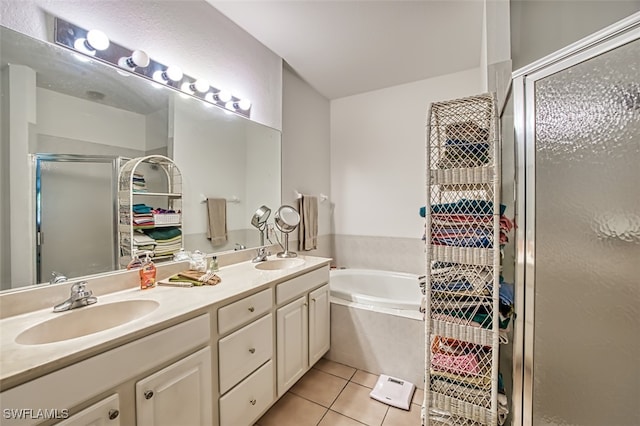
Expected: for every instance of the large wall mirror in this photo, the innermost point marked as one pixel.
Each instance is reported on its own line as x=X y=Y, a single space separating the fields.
x=70 y=122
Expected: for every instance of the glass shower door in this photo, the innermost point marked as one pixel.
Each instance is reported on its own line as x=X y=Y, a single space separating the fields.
x=582 y=325
x=75 y=217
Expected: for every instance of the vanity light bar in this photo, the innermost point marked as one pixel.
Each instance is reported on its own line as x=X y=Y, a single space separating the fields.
x=95 y=44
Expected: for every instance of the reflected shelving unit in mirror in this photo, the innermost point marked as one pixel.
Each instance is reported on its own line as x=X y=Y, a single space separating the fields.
x=149 y=209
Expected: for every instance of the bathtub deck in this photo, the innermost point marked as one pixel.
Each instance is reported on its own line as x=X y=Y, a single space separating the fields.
x=333 y=394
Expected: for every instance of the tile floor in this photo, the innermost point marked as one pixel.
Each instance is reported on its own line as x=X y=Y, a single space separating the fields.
x=333 y=394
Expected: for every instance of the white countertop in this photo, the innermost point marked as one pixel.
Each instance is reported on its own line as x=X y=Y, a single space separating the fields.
x=19 y=363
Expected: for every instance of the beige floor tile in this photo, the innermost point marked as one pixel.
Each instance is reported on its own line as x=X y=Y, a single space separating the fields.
x=365 y=379
x=319 y=387
x=418 y=397
x=292 y=410
x=354 y=402
x=334 y=368
x=398 y=417
x=334 y=419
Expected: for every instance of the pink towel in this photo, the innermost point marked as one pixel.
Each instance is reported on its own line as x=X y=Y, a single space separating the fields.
x=459 y=364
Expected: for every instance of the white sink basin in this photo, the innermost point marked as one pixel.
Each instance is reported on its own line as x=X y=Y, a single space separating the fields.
x=87 y=320
x=279 y=264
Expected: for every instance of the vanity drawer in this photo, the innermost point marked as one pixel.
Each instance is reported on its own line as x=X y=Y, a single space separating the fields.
x=242 y=352
x=249 y=399
x=244 y=310
x=300 y=285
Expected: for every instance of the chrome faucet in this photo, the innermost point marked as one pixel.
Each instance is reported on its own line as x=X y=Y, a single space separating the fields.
x=80 y=296
x=57 y=277
x=261 y=256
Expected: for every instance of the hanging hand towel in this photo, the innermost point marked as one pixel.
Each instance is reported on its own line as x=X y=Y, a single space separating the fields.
x=217 y=220
x=308 y=228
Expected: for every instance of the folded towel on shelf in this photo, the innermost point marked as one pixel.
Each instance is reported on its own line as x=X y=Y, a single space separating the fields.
x=163 y=233
x=143 y=239
x=462 y=237
x=141 y=208
x=459 y=364
x=482 y=382
x=445 y=277
x=464 y=206
x=472 y=395
x=217 y=220
x=308 y=227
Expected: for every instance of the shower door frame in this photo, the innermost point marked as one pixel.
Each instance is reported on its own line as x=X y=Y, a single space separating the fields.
x=116 y=163
x=524 y=79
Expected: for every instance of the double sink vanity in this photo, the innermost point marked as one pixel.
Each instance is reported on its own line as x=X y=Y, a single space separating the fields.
x=210 y=355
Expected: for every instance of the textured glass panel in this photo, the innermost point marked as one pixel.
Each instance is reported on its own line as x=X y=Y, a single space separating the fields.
x=77 y=218
x=587 y=283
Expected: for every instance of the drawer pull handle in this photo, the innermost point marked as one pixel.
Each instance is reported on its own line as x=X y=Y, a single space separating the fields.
x=113 y=414
x=252 y=350
x=148 y=394
x=253 y=402
x=251 y=309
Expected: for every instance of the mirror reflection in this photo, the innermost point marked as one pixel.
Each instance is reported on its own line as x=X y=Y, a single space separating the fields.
x=70 y=123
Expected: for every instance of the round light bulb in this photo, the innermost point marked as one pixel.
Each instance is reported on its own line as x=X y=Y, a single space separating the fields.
x=138 y=58
x=157 y=76
x=230 y=106
x=200 y=85
x=224 y=96
x=81 y=46
x=186 y=87
x=97 y=40
x=244 y=104
x=174 y=73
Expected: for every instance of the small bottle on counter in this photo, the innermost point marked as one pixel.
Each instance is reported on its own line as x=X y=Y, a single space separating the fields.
x=213 y=265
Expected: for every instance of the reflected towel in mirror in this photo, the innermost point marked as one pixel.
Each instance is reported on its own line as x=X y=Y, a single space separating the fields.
x=308 y=228
x=217 y=220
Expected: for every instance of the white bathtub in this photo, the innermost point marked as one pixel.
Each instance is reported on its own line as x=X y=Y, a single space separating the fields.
x=376 y=323
x=395 y=290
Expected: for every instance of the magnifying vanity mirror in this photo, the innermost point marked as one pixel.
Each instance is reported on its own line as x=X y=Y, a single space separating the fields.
x=287 y=219
x=259 y=220
x=73 y=122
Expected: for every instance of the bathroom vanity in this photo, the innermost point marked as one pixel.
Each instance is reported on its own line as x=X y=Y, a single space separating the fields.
x=211 y=355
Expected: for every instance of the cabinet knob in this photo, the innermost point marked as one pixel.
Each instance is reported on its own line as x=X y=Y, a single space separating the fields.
x=305 y=304
x=148 y=394
x=252 y=350
x=113 y=414
x=251 y=309
x=313 y=299
x=253 y=402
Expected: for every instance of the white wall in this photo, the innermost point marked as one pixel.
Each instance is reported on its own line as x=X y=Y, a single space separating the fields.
x=189 y=33
x=378 y=155
x=305 y=146
x=74 y=118
x=215 y=161
x=539 y=28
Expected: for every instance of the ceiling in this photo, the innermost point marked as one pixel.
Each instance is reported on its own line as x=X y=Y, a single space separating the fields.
x=346 y=47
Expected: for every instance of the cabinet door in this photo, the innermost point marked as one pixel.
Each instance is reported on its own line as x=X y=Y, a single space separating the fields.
x=177 y=395
x=292 y=343
x=319 y=326
x=103 y=413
